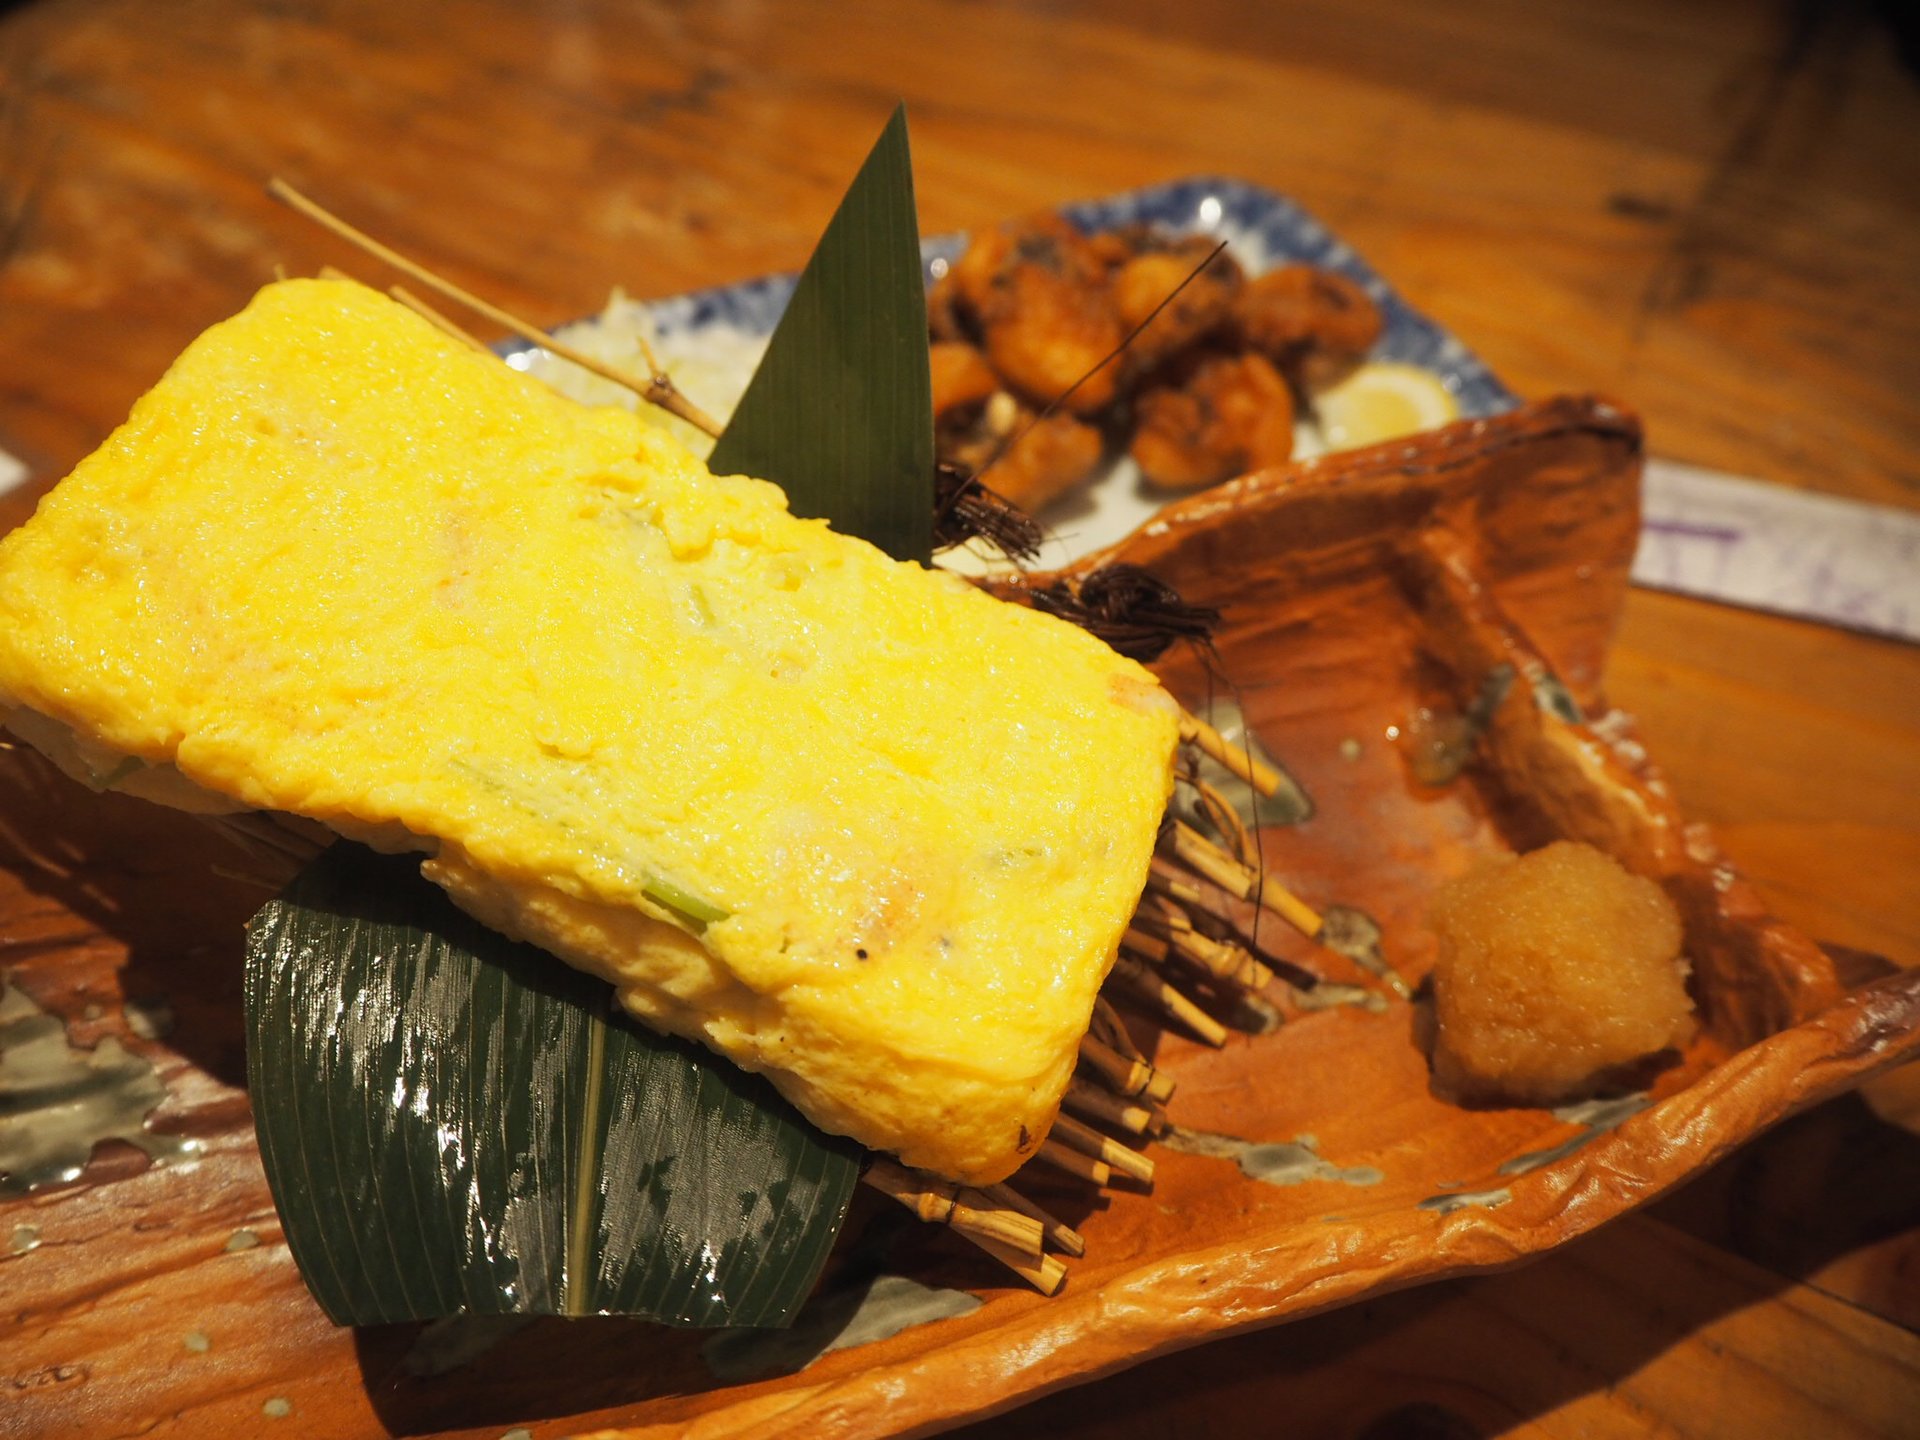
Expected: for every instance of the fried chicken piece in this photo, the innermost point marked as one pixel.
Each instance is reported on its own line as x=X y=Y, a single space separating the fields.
x=1313 y=322
x=1161 y=269
x=1234 y=414
x=1037 y=294
x=961 y=377
x=1048 y=459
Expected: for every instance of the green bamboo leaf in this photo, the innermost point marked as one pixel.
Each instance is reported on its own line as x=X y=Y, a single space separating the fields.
x=839 y=413
x=453 y=1123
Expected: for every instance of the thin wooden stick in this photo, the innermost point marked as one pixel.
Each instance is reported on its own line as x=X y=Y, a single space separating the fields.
x=1090 y=1102
x=657 y=389
x=1213 y=863
x=1163 y=878
x=1162 y=914
x=1104 y=1148
x=1158 y=993
x=1045 y=1273
x=1206 y=903
x=1223 y=961
x=1152 y=948
x=434 y=318
x=942 y=1202
x=1226 y=821
x=1124 y=1075
x=1235 y=760
x=1063 y=1157
x=1109 y=1027
x=1060 y=1235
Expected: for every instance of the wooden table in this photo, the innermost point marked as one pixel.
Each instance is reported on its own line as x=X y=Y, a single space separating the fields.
x=1711 y=210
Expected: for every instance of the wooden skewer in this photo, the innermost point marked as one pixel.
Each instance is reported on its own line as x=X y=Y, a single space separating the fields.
x=1172 y=929
x=1194 y=849
x=1063 y=1157
x=1171 y=883
x=1109 y=1027
x=1225 y=820
x=657 y=389
x=1162 y=914
x=1089 y=1141
x=1045 y=1273
x=942 y=1202
x=434 y=318
x=1236 y=761
x=1161 y=919
x=1232 y=963
x=1060 y=1235
x=1163 y=878
x=1090 y=1102
x=1125 y=1076
x=1157 y=992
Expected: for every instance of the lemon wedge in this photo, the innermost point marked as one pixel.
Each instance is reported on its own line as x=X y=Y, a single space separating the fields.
x=1381 y=401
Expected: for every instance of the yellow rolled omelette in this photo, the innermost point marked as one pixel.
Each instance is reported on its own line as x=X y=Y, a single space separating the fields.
x=850 y=822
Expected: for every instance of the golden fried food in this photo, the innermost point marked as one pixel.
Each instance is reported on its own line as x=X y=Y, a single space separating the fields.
x=1234 y=414
x=1313 y=322
x=1213 y=361
x=1555 y=969
x=962 y=378
x=1048 y=459
x=1196 y=312
x=1037 y=295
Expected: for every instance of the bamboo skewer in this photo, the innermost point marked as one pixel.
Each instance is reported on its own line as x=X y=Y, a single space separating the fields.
x=435 y=318
x=657 y=389
x=1170 y=931
x=1107 y=1026
x=1090 y=1102
x=1164 y=878
x=1164 y=997
x=1236 y=761
x=1161 y=914
x=1061 y=1236
x=1157 y=1087
x=1045 y=1273
x=1241 y=881
x=1062 y=1156
x=945 y=1202
x=1089 y=1141
x=1168 y=881
x=1125 y=1076
x=1219 y=813
x=1006 y=1232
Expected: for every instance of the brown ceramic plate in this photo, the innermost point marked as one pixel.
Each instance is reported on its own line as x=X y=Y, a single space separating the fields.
x=1356 y=590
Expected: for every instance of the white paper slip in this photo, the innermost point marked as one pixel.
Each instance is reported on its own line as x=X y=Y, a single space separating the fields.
x=1818 y=557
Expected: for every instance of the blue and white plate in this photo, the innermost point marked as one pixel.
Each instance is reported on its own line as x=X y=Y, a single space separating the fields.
x=711 y=339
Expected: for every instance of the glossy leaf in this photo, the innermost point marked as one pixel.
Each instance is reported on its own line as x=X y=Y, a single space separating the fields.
x=455 y=1123
x=839 y=413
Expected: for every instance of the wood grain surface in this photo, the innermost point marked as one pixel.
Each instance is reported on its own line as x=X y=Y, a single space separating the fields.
x=1711 y=210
